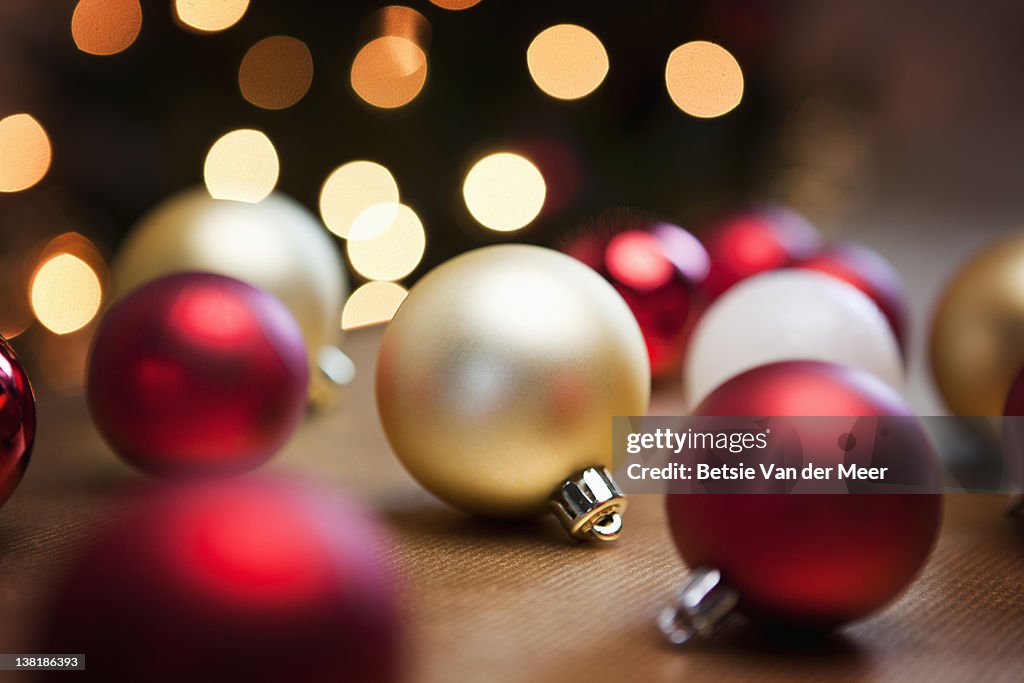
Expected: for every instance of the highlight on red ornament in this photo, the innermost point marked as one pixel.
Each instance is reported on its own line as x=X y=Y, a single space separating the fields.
x=756 y=240
x=871 y=273
x=232 y=580
x=197 y=373
x=17 y=421
x=808 y=561
x=657 y=267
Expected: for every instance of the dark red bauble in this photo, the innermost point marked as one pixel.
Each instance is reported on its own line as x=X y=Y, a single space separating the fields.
x=870 y=273
x=1013 y=433
x=197 y=374
x=812 y=560
x=755 y=241
x=233 y=580
x=17 y=421
x=656 y=267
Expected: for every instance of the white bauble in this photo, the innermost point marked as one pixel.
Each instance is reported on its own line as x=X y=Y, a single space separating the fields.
x=788 y=315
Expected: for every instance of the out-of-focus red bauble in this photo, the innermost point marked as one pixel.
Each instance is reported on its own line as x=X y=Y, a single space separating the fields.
x=1013 y=433
x=234 y=580
x=656 y=267
x=870 y=273
x=812 y=560
x=17 y=421
x=197 y=373
x=754 y=241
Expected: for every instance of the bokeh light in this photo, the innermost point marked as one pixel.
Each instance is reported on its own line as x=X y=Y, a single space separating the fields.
x=455 y=4
x=567 y=61
x=359 y=200
x=65 y=293
x=372 y=304
x=105 y=27
x=242 y=165
x=704 y=79
x=504 y=191
x=389 y=71
x=276 y=72
x=25 y=152
x=392 y=254
x=210 y=16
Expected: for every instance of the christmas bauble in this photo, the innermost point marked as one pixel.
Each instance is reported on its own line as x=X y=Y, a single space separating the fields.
x=240 y=580
x=754 y=241
x=276 y=245
x=17 y=421
x=197 y=373
x=1013 y=434
x=977 y=338
x=498 y=377
x=870 y=273
x=814 y=560
x=788 y=315
x=656 y=267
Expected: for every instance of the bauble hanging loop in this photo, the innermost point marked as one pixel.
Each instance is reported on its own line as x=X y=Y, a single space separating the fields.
x=703 y=604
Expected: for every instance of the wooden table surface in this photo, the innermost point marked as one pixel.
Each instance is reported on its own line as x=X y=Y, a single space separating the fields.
x=498 y=603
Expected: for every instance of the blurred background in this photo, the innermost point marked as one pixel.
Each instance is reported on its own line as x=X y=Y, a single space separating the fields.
x=895 y=124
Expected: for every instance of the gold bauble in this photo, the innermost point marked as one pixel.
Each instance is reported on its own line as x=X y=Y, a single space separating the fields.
x=276 y=245
x=977 y=339
x=499 y=375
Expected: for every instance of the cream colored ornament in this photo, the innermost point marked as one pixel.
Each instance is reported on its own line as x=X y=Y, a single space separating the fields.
x=788 y=315
x=275 y=244
x=498 y=379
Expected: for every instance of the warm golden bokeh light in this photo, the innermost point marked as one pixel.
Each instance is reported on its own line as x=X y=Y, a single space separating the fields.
x=504 y=191
x=276 y=72
x=704 y=79
x=567 y=61
x=210 y=16
x=359 y=200
x=455 y=4
x=389 y=71
x=392 y=254
x=242 y=165
x=105 y=27
x=65 y=293
x=372 y=304
x=24 y=153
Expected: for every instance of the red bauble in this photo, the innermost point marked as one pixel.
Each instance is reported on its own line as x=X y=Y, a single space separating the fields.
x=1013 y=434
x=197 y=373
x=870 y=273
x=17 y=421
x=235 y=580
x=656 y=267
x=812 y=560
x=755 y=241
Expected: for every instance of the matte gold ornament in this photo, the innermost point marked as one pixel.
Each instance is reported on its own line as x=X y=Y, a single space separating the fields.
x=497 y=381
x=276 y=245
x=977 y=339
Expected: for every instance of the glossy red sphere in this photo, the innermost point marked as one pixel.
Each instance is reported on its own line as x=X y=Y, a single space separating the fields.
x=870 y=273
x=755 y=241
x=17 y=421
x=233 y=580
x=197 y=374
x=812 y=560
x=656 y=267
